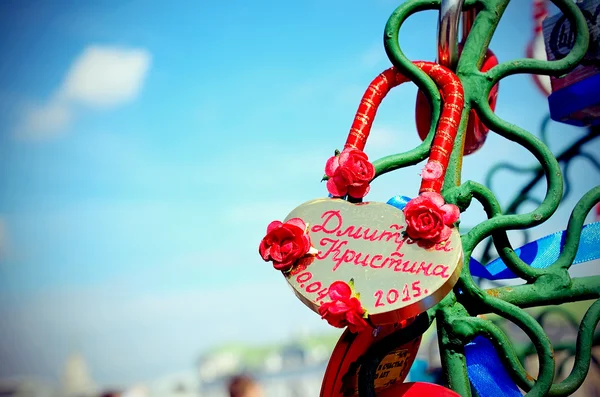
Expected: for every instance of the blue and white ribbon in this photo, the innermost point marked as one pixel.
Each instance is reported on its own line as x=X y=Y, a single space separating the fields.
x=486 y=372
x=542 y=253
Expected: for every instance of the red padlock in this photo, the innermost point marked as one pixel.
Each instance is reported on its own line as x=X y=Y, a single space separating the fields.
x=476 y=131
x=341 y=375
x=417 y=389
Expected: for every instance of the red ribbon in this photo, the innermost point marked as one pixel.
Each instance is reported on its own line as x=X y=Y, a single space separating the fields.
x=540 y=12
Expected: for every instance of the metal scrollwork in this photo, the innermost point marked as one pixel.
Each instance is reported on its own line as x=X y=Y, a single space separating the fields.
x=458 y=320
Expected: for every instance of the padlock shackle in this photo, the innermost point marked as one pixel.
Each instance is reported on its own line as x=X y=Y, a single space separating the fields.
x=448 y=21
x=447 y=40
x=447 y=128
x=468 y=18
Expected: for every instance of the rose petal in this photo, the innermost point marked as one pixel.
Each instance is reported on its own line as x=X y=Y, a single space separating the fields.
x=286 y=247
x=357 y=164
x=350 y=168
x=359 y=180
x=427 y=244
x=324 y=308
x=359 y=154
x=335 y=322
x=451 y=213
x=432 y=170
x=356 y=306
x=299 y=223
x=337 y=187
x=331 y=166
x=369 y=170
x=359 y=191
x=354 y=316
x=415 y=202
x=445 y=234
x=343 y=309
x=425 y=220
x=434 y=197
x=339 y=290
x=273 y=225
x=275 y=253
x=263 y=250
x=338 y=307
x=355 y=323
x=283 y=266
x=344 y=157
x=345 y=174
x=306 y=242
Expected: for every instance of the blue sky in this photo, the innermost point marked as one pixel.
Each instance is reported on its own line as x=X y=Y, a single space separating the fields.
x=131 y=206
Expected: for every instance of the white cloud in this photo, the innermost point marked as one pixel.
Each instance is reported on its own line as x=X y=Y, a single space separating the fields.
x=45 y=121
x=100 y=78
x=106 y=76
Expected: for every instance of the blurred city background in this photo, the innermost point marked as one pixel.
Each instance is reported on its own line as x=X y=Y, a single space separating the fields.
x=144 y=147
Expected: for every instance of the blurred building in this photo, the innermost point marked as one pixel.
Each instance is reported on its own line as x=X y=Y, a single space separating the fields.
x=294 y=369
x=27 y=387
x=76 y=380
x=180 y=384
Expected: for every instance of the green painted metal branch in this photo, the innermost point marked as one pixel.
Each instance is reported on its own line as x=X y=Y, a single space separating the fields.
x=553 y=285
x=553 y=68
x=582 y=350
x=539 y=294
x=452 y=354
x=467 y=328
x=582 y=208
x=565 y=157
x=583 y=353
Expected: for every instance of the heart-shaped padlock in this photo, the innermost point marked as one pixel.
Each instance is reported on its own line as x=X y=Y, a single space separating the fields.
x=369 y=264
x=396 y=278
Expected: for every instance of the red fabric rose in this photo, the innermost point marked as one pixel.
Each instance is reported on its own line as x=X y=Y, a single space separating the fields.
x=344 y=309
x=285 y=243
x=432 y=170
x=349 y=173
x=429 y=218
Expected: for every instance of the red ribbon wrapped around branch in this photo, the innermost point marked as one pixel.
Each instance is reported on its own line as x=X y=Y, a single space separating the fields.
x=443 y=142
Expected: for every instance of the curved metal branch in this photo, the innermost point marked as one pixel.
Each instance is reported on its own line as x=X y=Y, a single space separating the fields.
x=583 y=354
x=564 y=157
x=552 y=68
